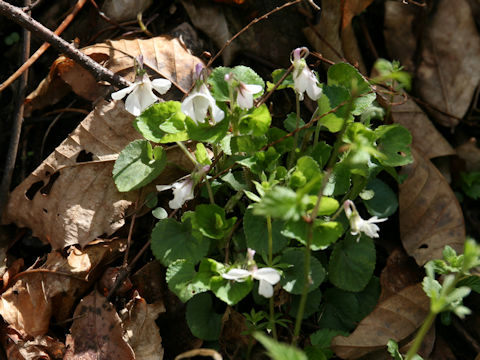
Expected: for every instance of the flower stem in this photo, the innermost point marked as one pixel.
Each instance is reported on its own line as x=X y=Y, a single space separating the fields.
x=421 y=335
x=291 y=156
x=182 y=147
x=270 y=260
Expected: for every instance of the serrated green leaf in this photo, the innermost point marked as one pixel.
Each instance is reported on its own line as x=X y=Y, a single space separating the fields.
x=347 y=76
x=393 y=141
x=247 y=144
x=473 y=282
x=220 y=88
x=229 y=291
x=206 y=132
x=201 y=155
x=184 y=281
x=211 y=221
x=137 y=165
x=293 y=279
x=281 y=203
x=283 y=146
x=332 y=97
x=352 y=263
x=256 y=233
x=324 y=233
x=162 y=123
x=384 y=203
x=172 y=240
x=203 y=321
x=256 y=122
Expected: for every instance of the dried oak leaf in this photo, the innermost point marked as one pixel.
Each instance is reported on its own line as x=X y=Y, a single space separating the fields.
x=141 y=331
x=427 y=140
x=54 y=288
x=68 y=200
x=162 y=56
x=430 y=215
x=449 y=70
x=41 y=347
x=96 y=332
x=395 y=318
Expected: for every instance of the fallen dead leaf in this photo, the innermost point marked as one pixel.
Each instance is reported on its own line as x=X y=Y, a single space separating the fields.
x=401 y=27
x=141 y=331
x=449 y=70
x=395 y=318
x=470 y=153
x=231 y=338
x=96 y=332
x=162 y=56
x=426 y=139
x=64 y=215
x=12 y=270
x=199 y=352
x=430 y=215
x=54 y=288
x=41 y=347
x=399 y=272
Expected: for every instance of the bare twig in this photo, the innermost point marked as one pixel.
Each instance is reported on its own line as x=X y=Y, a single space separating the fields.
x=78 y=6
x=254 y=21
x=99 y=72
x=17 y=125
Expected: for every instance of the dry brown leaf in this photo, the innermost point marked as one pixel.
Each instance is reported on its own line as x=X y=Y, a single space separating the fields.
x=430 y=215
x=399 y=272
x=41 y=348
x=449 y=70
x=199 y=352
x=54 y=288
x=162 y=56
x=141 y=330
x=395 y=318
x=12 y=270
x=149 y=282
x=232 y=337
x=68 y=201
x=96 y=332
x=400 y=33
x=426 y=139
x=122 y=10
x=470 y=153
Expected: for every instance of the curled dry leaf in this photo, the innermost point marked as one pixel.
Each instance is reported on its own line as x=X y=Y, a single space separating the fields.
x=71 y=197
x=199 y=352
x=41 y=347
x=96 y=332
x=395 y=318
x=430 y=215
x=449 y=70
x=54 y=288
x=426 y=139
x=141 y=331
x=162 y=56
x=232 y=337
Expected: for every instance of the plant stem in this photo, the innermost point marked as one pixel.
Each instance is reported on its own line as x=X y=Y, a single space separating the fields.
x=182 y=147
x=209 y=190
x=291 y=156
x=420 y=335
x=270 y=260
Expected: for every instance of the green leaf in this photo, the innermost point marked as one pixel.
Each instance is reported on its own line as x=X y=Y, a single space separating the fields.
x=352 y=263
x=322 y=339
x=279 y=351
x=394 y=143
x=256 y=233
x=184 y=281
x=247 y=144
x=220 y=88
x=162 y=123
x=283 y=146
x=210 y=220
x=282 y=203
x=332 y=97
x=293 y=279
x=384 y=202
x=313 y=304
x=160 y=213
x=324 y=233
x=172 y=240
x=347 y=76
x=138 y=165
x=261 y=161
x=235 y=180
x=229 y=291
x=392 y=348
x=276 y=76
x=201 y=155
x=255 y=122
x=321 y=153
x=203 y=321
x=471 y=184
x=306 y=170
x=342 y=310
x=205 y=132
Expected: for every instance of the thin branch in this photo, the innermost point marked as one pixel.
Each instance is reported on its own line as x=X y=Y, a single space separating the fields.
x=99 y=72
x=78 y=6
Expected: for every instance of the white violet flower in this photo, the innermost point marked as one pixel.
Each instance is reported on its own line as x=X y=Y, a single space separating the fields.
x=140 y=94
x=303 y=78
x=359 y=225
x=245 y=94
x=196 y=105
x=267 y=277
x=183 y=188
